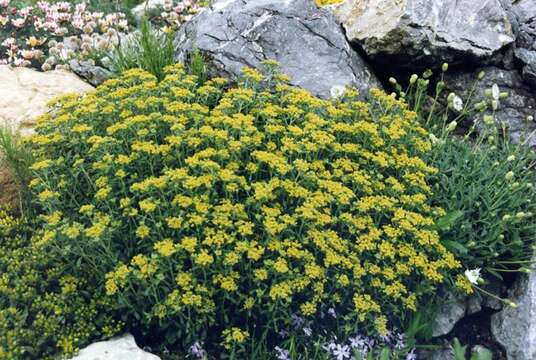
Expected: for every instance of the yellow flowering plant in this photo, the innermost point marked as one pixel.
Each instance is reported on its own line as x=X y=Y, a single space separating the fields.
x=216 y=214
x=43 y=311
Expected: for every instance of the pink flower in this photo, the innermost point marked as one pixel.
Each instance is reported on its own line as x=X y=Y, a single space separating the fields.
x=4 y=3
x=18 y=23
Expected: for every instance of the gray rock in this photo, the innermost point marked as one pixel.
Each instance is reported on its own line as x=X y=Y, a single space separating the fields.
x=513 y=111
x=528 y=60
x=474 y=304
x=515 y=328
x=428 y=32
x=452 y=311
x=95 y=75
x=305 y=40
x=115 y=349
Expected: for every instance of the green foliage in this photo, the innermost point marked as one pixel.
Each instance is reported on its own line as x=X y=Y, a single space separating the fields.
x=198 y=67
x=150 y=49
x=219 y=215
x=43 y=311
x=458 y=350
x=485 y=182
x=17 y=157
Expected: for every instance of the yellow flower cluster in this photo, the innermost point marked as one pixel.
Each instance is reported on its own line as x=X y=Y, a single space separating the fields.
x=42 y=312
x=203 y=203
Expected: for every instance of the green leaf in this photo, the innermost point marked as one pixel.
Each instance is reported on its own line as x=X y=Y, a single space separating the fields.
x=447 y=221
x=455 y=247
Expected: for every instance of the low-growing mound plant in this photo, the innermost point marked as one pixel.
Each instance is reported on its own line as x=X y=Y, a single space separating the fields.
x=225 y=217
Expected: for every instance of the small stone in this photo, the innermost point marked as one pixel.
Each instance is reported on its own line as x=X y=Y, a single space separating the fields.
x=439 y=354
x=95 y=75
x=121 y=348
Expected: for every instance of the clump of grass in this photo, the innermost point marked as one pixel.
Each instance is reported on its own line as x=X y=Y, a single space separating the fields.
x=17 y=158
x=198 y=67
x=150 y=50
x=485 y=181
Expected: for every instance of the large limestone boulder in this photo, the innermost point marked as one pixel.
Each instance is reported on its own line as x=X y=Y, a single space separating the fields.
x=122 y=348
x=427 y=32
x=304 y=39
x=515 y=328
x=24 y=94
x=517 y=111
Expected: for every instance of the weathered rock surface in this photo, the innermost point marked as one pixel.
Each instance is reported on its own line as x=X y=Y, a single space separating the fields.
x=307 y=42
x=525 y=13
x=122 y=348
x=450 y=313
x=515 y=328
x=514 y=111
x=94 y=74
x=428 y=31
x=525 y=53
x=24 y=94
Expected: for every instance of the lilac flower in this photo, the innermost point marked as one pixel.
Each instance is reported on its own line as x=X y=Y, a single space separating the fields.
x=400 y=341
x=341 y=351
x=197 y=350
x=282 y=354
x=307 y=330
x=297 y=320
x=329 y=347
x=411 y=355
x=387 y=338
x=283 y=334
x=331 y=311
x=357 y=342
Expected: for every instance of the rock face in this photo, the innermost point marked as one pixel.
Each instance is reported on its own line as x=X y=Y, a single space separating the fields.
x=115 y=349
x=305 y=40
x=24 y=94
x=427 y=31
x=515 y=328
x=514 y=111
x=525 y=12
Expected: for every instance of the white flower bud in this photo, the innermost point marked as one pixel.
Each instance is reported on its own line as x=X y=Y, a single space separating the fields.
x=451 y=126
x=509 y=175
x=413 y=79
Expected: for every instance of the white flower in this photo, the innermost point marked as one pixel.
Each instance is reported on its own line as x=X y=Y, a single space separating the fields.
x=341 y=352
x=336 y=91
x=495 y=92
x=473 y=275
x=456 y=102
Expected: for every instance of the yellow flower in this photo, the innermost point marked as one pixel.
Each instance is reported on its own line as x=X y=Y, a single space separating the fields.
x=165 y=247
x=203 y=258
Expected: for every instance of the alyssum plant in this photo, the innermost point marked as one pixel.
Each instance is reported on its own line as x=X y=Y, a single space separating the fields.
x=215 y=218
